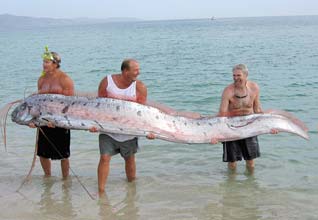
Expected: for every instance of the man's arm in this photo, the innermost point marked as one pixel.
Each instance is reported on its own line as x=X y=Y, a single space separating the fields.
x=258 y=109
x=102 y=92
x=257 y=104
x=141 y=98
x=40 y=82
x=223 y=111
x=224 y=106
x=68 y=86
x=141 y=93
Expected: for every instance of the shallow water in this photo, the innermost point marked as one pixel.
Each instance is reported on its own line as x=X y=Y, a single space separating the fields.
x=185 y=65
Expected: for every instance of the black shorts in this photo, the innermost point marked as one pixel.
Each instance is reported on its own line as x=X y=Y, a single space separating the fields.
x=234 y=150
x=55 y=144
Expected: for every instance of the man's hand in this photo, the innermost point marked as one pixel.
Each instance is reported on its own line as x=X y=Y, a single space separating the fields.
x=214 y=141
x=31 y=125
x=151 y=136
x=93 y=129
x=274 y=131
x=50 y=125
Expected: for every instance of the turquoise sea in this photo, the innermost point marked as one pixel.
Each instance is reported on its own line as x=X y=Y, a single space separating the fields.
x=185 y=64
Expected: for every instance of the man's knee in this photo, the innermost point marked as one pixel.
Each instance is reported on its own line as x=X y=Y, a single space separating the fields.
x=104 y=159
x=250 y=163
x=130 y=159
x=232 y=165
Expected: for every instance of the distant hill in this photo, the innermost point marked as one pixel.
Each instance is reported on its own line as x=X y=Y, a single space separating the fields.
x=13 y=21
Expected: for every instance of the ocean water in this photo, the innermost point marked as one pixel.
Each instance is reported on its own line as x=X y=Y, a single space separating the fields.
x=185 y=64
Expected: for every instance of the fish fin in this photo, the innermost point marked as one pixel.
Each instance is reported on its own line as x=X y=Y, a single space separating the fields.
x=4 y=111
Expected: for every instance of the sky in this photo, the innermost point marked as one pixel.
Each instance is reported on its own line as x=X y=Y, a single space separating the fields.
x=158 y=9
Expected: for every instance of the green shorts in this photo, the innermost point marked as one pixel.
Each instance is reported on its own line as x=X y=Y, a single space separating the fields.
x=108 y=145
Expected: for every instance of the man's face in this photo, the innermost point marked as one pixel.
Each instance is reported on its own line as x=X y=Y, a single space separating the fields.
x=133 y=71
x=48 y=65
x=239 y=77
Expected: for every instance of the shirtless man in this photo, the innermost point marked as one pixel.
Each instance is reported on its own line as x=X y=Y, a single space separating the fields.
x=124 y=86
x=238 y=99
x=55 y=142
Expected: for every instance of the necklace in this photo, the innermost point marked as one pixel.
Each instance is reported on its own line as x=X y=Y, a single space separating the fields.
x=241 y=96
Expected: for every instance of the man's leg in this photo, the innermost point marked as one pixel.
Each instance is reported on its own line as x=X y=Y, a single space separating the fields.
x=103 y=171
x=250 y=165
x=65 y=166
x=46 y=165
x=130 y=166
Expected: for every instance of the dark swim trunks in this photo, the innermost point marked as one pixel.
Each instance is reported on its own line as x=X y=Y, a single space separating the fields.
x=234 y=150
x=110 y=146
x=58 y=145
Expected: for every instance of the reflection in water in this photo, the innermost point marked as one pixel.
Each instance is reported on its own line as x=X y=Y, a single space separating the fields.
x=125 y=209
x=51 y=204
x=235 y=198
x=240 y=197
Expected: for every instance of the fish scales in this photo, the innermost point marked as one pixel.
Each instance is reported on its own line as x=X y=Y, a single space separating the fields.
x=126 y=117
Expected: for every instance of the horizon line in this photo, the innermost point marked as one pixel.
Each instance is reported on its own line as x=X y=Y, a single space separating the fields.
x=159 y=19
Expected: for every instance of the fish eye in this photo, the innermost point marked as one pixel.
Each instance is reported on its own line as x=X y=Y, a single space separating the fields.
x=23 y=106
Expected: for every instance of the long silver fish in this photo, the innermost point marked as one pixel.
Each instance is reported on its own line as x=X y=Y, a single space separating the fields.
x=125 y=117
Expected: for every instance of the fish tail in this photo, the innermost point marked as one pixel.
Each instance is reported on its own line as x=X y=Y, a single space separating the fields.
x=291 y=117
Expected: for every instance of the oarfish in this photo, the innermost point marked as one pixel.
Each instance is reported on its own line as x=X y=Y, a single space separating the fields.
x=126 y=117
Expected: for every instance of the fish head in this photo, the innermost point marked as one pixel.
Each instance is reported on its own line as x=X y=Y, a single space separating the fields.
x=25 y=113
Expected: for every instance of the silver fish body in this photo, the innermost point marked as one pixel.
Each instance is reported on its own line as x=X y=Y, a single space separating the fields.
x=125 y=117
